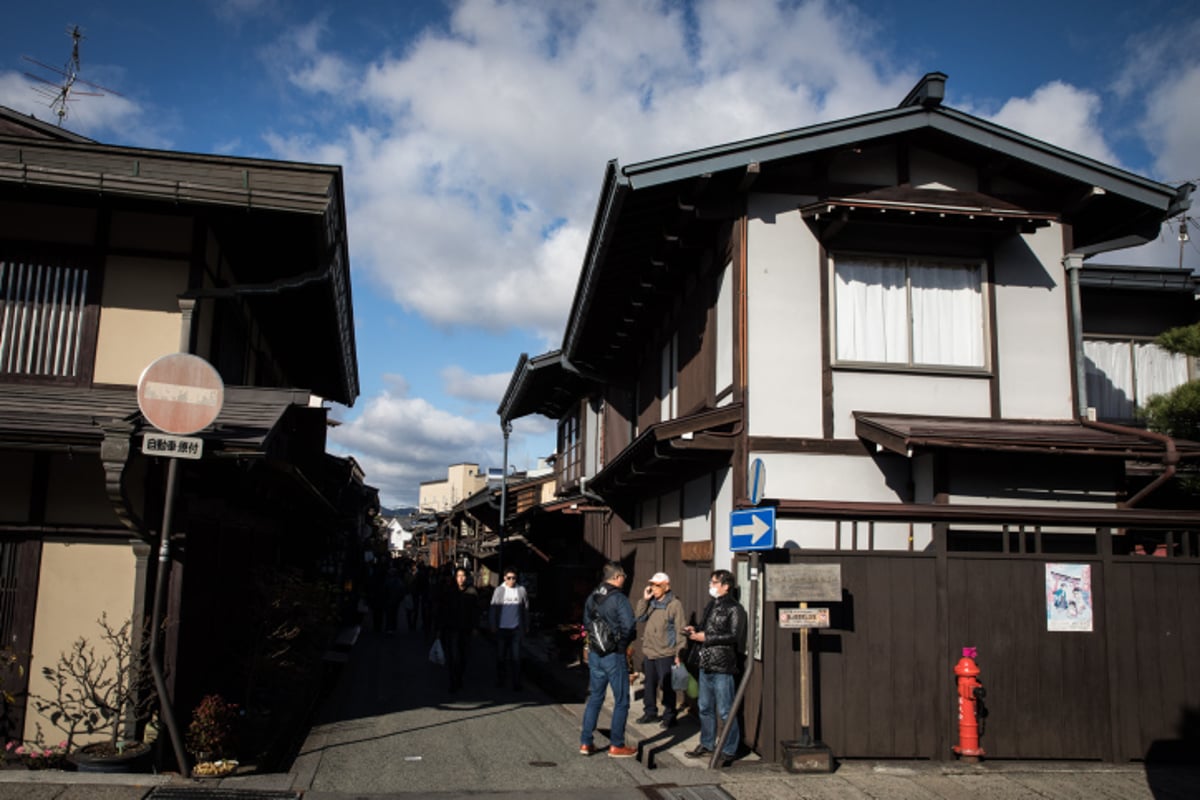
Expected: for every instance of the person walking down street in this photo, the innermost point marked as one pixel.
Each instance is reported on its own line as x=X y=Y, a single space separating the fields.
x=508 y=616
x=662 y=643
x=394 y=596
x=722 y=637
x=609 y=669
x=457 y=617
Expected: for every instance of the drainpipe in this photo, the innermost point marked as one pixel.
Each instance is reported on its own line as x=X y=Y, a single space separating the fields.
x=1170 y=457
x=1073 y=263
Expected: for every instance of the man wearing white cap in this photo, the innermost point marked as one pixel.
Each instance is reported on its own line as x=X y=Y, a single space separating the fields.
x=662 y=642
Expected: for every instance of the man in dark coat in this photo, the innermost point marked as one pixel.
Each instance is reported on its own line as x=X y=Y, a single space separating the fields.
x=722 y=637
x=609 y=669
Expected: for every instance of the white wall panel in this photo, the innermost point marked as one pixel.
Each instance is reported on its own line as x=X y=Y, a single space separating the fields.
x=905 y=393
x=784 y=319
x=1033 y=336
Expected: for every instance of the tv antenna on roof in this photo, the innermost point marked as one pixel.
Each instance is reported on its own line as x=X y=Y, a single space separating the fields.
x=63 y=91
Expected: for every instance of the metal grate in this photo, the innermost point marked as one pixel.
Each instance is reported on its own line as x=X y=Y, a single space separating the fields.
x=705 y=792
x=217 y=793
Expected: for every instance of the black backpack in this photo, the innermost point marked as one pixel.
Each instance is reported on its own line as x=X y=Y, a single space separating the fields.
x=602 y=640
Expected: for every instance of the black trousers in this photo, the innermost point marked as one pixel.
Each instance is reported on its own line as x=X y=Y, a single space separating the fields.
x=456 y=645
x=658 y=675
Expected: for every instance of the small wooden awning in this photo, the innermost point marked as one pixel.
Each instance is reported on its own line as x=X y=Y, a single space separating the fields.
x=905 y=434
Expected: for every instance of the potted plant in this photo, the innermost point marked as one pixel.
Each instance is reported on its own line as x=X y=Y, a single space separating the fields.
x=102 y=698
x=210 y=737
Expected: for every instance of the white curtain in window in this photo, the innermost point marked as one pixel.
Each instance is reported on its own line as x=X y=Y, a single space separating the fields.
x=1109 y=368
x=872 y=310
x=947 y=311
x=1158 y=371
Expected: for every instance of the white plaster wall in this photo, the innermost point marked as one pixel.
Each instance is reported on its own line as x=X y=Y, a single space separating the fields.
x=77 y=583
x=1033 y=337
x=905 y=393
x=809 y=476
x=697 y=509
x=784 y=319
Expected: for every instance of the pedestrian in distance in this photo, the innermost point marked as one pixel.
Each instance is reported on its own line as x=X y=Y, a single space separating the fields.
x=721 y=635
x=457 y=617
x=508 y=617
x=663 y=641
x=608 y=668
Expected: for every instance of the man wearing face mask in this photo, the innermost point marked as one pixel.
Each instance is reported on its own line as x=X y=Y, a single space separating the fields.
x=721 y=636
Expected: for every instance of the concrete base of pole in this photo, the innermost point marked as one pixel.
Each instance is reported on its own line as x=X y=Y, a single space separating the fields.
x=800 y=758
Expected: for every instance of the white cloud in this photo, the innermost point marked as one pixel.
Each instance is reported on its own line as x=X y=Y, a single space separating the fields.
x=486 y=140
x=108 y=117
x=401 y=441
x=1062 y=115
x=1171 y=126
x=485 y=389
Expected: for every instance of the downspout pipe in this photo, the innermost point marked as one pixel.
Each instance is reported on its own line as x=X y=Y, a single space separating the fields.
x=1074 y=263
x=1170 y=457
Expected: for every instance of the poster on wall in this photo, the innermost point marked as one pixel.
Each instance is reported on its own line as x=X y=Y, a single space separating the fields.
x=1068 y=597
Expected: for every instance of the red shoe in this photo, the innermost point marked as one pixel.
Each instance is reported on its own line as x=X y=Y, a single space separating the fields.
x=622 y=752
x=586 y=749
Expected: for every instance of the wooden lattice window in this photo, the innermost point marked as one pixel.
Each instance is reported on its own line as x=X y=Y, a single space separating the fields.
x=43 y=312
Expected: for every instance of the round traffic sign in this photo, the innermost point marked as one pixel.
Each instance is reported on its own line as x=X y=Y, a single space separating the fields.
x=180 y=393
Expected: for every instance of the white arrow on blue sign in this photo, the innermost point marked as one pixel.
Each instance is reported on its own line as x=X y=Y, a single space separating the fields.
x=752 y=529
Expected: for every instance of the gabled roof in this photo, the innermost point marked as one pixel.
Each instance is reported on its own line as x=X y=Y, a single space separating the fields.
x=647 y=212
x=543 y=385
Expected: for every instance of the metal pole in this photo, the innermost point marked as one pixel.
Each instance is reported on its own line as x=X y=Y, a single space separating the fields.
x=751 y=639
x=506 y=427
x=160 y=585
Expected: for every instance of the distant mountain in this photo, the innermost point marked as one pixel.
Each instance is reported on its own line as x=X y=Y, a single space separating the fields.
x=403 y=511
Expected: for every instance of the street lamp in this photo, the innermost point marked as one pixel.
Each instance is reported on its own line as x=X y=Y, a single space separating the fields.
x=506 y=428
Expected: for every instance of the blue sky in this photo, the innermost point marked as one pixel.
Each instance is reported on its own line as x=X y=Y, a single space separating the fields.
x=474 y=135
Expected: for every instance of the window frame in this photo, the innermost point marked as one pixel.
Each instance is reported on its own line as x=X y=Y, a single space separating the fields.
x=1130 y=341
x=85 y=325
x=909 y=365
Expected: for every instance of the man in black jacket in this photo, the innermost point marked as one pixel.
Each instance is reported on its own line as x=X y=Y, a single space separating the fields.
x=609 y=669
x=722 y=637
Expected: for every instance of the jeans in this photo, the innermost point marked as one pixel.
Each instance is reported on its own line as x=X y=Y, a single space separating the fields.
x=716 y=698
x=658 y=676
x=508 y=650
x=604 y=671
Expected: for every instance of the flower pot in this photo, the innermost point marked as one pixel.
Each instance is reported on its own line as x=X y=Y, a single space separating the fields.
x=102 y=757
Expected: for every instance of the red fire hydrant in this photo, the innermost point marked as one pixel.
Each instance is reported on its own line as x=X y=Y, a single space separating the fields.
x=970 y=707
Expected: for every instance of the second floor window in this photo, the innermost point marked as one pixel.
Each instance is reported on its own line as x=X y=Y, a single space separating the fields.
x=43 y=307
x=570 y=446
x=1122 y=374
x=908 y=312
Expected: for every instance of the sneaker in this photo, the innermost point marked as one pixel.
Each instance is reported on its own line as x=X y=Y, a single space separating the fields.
x=586 y=749
x=700 y=751
x=724 y=761
x=667 y=722
x=646 y=719
x=621 y=752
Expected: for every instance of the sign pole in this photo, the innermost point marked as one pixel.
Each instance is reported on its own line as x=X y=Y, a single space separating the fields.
x=806 y=738
x=160 y=585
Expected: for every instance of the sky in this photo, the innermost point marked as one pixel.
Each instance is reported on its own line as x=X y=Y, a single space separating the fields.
x=473 y=137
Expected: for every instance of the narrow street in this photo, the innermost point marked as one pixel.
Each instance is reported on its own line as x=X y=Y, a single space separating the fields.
x=391 y=725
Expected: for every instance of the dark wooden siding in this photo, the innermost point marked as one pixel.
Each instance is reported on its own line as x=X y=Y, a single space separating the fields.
x=886 y=686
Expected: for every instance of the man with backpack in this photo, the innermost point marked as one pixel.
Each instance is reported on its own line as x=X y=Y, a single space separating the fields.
x=609 y=621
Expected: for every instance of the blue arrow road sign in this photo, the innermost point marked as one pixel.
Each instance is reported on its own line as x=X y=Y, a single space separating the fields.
x=752 y=529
